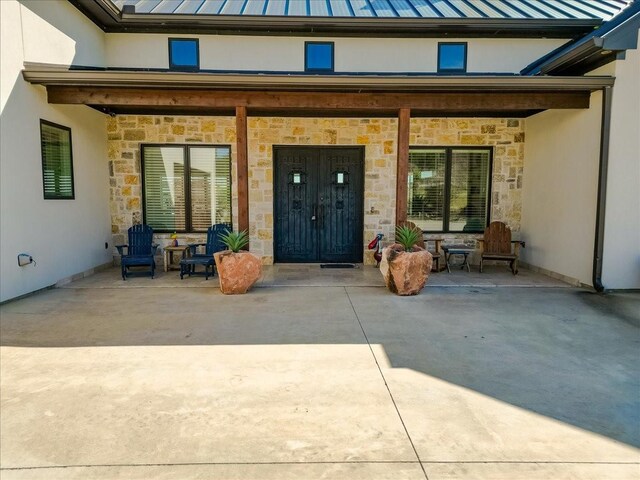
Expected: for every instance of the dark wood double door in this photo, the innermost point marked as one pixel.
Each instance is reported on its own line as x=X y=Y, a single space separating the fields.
x=318 y=204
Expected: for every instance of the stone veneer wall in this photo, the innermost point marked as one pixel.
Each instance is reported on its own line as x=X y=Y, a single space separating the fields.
x=127 y=132
x=378 y=135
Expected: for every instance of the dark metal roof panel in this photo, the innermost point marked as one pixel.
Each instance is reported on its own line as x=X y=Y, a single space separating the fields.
x=494 y=9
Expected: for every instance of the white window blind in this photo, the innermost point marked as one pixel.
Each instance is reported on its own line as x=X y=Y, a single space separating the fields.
x=57 y=164
x=427 y=188
x=448 y=189
x=164 y=189
x=469 y=190
x=210 y=186
x=186 y=188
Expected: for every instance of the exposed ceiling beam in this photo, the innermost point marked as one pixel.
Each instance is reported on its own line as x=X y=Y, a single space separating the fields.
x=313 y=101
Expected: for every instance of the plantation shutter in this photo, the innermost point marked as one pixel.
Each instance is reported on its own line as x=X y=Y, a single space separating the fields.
x=164 y=188
x=210 y=186
x=57 y=166
x=223 y=186
x=426 y=189
x=203 y=199
x=469 y=190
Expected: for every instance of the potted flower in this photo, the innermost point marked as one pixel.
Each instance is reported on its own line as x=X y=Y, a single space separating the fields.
x=406 y=266
x=237 y=268
x=174 y=239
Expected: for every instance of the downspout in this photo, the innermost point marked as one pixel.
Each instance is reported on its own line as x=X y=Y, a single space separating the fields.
x=605 y=127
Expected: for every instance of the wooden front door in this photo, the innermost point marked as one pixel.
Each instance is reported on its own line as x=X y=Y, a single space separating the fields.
x=318 y=204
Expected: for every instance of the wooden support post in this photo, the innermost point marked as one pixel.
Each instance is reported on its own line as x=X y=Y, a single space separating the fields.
x=404 y=121
x=242 y=168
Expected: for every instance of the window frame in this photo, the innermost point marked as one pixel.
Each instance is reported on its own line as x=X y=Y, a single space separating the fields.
x=453 y=70
x=319 y=70
x=184 y=68
x=187 y=189
x=73 y=186
x=446 y=204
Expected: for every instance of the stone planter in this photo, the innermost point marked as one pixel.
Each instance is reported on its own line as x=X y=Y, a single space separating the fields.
x=237 y=272
x=405 y=273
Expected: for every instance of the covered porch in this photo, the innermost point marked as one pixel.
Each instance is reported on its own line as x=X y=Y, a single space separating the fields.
x=387 y=116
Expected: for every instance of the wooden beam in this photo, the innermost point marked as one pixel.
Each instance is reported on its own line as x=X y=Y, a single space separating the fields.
x=402 y=171
x=376 y=102
x=242 y=168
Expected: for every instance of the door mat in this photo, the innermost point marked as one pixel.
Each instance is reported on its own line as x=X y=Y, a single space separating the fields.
x=337 y=265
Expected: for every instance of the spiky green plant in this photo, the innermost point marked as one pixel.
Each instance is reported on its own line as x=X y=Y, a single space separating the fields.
x=235 y=241
x=407 y=237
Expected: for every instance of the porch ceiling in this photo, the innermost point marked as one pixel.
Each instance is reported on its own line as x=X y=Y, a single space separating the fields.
x=339 y=95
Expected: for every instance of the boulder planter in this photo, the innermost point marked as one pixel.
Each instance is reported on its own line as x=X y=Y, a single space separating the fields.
x=405 y=266
x=238 y=270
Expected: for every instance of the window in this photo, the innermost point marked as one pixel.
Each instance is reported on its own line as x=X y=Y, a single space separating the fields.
x=452 y=57
x=449 y=189
x=186 y=188
x=184 y=54
x=57 y=161
x=318 y=56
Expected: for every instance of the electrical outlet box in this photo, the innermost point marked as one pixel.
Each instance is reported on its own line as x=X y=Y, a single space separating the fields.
x=24 y=259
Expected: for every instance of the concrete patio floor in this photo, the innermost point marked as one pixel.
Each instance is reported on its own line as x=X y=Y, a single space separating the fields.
x=148 y=379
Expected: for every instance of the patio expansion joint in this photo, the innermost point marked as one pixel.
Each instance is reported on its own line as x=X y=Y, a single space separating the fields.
x=395 y=406
x=346 y=462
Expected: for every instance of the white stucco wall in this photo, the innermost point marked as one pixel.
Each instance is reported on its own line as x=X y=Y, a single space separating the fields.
x=65 y=237
x=56 y=32
x=621 y=256
x=274 y=53
x=560 y=190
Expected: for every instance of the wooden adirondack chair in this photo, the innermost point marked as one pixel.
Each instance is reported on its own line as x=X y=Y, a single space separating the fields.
x=496 y=245
x=204 y=256
x=140 y=250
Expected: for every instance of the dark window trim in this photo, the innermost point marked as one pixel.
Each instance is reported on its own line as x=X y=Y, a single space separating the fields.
x=187 y=185
x=184 y=68
x=453 y=70
x=333 y=57
x=447 y=186
x=73 y=186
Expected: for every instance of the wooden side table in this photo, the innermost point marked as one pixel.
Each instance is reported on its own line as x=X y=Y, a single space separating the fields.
x=168 y=256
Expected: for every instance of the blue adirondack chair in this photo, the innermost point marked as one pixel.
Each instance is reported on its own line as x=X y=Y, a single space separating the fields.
x=140 y=251
x=202 y=253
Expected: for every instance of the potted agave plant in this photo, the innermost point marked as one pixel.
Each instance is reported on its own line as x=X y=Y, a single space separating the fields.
x=406 y=266
x=238 y=269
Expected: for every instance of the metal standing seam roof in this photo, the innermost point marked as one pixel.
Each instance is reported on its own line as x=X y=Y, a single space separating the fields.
x=433 y=9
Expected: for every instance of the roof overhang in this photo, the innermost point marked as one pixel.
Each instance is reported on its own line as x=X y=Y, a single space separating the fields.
x=108 y=17
x=312 y=95
x=602 y=46
x=56 y=75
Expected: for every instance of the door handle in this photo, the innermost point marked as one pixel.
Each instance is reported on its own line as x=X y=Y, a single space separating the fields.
x=314 y=215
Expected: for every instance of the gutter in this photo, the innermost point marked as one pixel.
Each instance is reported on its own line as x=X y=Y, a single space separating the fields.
x=605 y=130
x=55 y=75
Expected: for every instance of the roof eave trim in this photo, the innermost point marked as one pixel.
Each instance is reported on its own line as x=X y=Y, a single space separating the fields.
x=582 y=55
x=101 y=12
x=179 y=80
